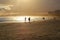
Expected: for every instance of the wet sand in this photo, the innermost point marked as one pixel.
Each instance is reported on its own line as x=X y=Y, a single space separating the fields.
x=42 y=30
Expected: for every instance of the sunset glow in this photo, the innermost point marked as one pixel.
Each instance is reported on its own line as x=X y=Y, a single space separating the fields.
x=22 y=18
x=23 y=0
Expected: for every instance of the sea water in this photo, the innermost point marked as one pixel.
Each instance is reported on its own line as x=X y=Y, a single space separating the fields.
x=22 y=18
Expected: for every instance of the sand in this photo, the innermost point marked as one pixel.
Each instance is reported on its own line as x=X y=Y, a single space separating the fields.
x=42 y=30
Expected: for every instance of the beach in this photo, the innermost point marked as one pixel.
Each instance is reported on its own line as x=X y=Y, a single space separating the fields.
x=41 y=30
x=29 y=19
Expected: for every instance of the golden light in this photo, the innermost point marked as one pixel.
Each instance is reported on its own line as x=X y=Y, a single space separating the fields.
x=21 y=18
x=23 y=0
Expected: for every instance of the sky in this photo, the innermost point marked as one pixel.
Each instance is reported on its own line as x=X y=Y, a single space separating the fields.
x=32 y=5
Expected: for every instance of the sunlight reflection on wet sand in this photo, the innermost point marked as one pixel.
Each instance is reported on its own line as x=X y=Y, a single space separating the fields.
x=22 y=18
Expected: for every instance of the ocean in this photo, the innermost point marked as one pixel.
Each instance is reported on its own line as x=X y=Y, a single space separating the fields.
x=22 y=18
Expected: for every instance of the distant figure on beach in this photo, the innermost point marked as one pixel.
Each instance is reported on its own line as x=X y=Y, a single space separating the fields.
x=25 y=19
x=29 y=19
x=43 y=18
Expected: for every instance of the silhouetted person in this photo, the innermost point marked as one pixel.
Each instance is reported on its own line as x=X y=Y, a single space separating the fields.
x=25 y=19
x=43 y=18
x=29 y=19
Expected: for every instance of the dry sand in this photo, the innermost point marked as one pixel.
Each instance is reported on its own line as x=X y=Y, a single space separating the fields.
x=43 y=30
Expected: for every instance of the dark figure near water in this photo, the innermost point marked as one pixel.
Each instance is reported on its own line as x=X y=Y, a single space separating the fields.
x=29 y=19
x=43 y=18
x=25 y=19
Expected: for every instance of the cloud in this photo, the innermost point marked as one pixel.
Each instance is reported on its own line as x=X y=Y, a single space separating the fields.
x=34 y=5
x=3 y=1
x=6 y=7
x=7 y=1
